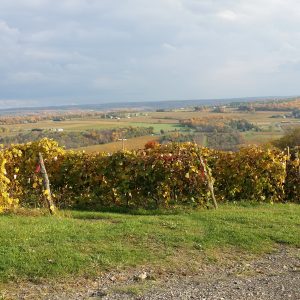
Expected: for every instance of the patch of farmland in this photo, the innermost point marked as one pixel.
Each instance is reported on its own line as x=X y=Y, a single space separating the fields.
x=130 y=144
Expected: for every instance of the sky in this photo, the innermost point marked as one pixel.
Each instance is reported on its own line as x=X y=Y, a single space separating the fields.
x=55 y=52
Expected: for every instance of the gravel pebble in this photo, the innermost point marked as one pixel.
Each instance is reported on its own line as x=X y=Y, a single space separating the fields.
x=272 y=277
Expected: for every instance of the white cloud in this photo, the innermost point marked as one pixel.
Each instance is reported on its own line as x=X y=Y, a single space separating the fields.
x=28 y=77
x=168 y=46
x=5 y=29
x=8 y=35
x=106 y=82
x=227 y=15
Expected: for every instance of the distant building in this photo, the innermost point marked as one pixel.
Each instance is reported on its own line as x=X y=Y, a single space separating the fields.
x=57 y=129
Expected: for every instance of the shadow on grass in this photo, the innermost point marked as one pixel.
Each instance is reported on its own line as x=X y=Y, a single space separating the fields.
x=96 y=214
x=95 y=211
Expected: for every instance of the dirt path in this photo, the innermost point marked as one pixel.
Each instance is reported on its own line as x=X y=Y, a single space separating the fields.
x=273 y=276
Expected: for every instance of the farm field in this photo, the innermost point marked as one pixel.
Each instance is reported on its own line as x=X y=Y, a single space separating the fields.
x=88 y=243
x=159 y=120
x=130 y=144
x=98 y=124
x=164 y=123
x=259 y=116
x=259 y=138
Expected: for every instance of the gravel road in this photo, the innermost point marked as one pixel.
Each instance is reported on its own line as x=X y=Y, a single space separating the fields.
x=271 y=277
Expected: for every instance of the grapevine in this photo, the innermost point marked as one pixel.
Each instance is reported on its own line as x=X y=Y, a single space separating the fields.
x=159 y=176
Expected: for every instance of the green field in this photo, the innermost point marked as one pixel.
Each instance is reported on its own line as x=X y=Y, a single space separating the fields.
x=88 y=243
x=86 y=124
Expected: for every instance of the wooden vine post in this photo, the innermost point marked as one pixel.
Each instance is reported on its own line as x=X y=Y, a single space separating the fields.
x=47 y=191
x=210 y=184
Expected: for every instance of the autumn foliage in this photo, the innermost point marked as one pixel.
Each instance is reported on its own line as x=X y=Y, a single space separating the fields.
x=160 y=176
x=151 y=144
x=5 y=200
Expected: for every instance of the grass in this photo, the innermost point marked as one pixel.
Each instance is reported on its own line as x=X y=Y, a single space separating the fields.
x=87 y=243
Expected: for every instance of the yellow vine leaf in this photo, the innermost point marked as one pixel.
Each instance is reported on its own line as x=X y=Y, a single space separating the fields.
x=46 y=192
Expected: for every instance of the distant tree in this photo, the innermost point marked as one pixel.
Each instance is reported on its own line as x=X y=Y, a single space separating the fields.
x=219 y=109
x=296 y=113
x=78 y=139
x=225 y=141
x=246 y=108
x=199 y=108
x=292 y=139
x=243 y=125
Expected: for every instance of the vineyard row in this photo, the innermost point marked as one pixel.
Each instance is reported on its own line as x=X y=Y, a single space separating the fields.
x=160 y=176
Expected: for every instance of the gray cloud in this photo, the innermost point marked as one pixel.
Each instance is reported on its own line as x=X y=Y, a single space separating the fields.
x=62 y=51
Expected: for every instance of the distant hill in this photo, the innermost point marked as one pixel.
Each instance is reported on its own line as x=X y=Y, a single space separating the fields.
x=146 y=106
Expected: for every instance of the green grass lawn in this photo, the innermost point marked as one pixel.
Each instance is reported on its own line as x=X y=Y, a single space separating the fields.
x=87 y=243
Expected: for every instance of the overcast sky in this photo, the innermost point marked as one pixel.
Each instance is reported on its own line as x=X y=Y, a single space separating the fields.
x=87 y=51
